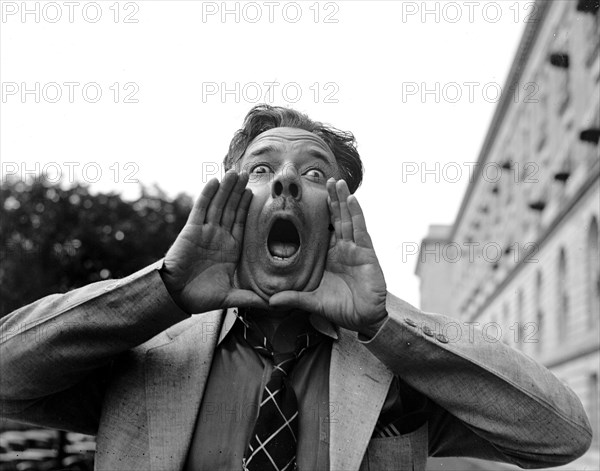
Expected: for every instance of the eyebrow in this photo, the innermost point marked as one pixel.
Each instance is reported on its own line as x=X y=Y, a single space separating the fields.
x=316 y=153
x=263 y=150
x=319 y=155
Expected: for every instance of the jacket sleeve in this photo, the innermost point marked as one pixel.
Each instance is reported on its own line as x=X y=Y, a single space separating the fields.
x=56 y=353
x=487 y=400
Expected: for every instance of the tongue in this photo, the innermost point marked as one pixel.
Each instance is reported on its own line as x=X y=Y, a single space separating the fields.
x=283 y=249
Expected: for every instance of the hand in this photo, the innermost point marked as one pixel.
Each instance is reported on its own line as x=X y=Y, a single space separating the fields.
x=199 y=268
x=352 y=291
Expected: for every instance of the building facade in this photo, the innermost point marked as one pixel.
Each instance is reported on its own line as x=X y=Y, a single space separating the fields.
x=522 y=257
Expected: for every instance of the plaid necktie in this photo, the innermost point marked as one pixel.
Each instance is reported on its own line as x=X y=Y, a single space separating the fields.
x=273 y=441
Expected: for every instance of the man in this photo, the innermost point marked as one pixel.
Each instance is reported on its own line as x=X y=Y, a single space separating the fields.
x=297 y=356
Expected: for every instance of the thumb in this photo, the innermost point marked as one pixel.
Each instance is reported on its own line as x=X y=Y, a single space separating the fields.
x=296 y=300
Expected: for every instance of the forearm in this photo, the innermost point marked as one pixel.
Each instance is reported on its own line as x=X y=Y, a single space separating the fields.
x=50 y=345
x=500 y=394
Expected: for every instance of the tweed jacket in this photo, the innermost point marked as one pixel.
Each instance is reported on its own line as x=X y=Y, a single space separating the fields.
x=118 y=359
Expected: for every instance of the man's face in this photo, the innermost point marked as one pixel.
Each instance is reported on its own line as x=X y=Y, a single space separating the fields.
x=287 y=230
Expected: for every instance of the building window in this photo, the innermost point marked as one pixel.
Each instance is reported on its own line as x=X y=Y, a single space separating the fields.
x=539 y=284
x=562 y=73
x=563 y=296
x=593 y=274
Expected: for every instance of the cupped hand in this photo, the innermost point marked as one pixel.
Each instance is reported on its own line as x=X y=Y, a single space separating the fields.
x=352 y=291
x=199 y=268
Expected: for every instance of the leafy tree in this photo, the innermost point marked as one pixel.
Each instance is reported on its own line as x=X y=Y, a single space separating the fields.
x=54 y=239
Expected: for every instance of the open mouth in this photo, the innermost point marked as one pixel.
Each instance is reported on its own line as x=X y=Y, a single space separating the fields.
x=283 y=241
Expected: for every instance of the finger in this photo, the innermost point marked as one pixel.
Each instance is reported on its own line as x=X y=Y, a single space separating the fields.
x=343 y=193
x=245 y=298
x=361 y=235
x=295 y=300
x=233 y=201
x=334 y=208
x=215 y=209
x=198 y=213
x=237 y=230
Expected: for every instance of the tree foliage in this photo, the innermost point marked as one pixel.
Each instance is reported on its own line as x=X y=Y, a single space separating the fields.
x=55 y=239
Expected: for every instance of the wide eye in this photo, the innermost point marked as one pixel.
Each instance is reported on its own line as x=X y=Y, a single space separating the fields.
x=261 y=169
x=314 y=174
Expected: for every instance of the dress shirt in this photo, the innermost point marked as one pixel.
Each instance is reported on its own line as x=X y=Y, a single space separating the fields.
x=231 y=399
x=230 y=404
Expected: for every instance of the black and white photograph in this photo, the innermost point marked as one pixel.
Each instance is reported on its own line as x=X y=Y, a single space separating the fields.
x=340 y=235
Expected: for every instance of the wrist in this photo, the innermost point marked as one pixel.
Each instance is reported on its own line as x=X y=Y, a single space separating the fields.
x=372 y=329
x=174 y=293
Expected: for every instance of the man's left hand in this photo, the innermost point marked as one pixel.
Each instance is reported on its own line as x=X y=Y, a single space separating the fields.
x=352 y=291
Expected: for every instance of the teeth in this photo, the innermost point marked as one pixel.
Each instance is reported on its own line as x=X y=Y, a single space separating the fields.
x=282 y=250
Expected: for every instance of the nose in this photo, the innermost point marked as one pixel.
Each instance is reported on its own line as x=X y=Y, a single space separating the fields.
x=287 y=184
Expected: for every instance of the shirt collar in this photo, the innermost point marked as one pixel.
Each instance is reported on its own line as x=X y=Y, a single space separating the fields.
x=319 y=323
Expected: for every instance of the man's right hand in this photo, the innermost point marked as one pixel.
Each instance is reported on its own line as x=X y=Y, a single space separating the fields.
x=199 y=268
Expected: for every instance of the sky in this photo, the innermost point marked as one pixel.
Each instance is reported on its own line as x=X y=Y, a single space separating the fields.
x=118 y=94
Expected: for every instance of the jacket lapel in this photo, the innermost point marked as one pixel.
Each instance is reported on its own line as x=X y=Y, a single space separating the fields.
x=358 y=386
x=176 y=373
